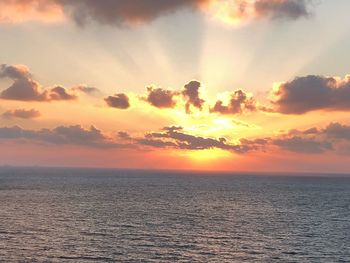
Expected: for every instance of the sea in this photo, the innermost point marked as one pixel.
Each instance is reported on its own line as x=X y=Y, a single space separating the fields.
x=100 y=215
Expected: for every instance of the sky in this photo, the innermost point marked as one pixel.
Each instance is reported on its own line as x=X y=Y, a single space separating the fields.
x=220 y=85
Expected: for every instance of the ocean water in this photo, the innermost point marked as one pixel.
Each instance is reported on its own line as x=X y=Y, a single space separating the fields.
x=76 y=215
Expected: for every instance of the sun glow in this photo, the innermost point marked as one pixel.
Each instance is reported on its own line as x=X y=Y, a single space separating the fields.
x=231 y=12
x=207 y=155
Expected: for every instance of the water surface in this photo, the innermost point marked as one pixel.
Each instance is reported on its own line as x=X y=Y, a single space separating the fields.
x=76 y=215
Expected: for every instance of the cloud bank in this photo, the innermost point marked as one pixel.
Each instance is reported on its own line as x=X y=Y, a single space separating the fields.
x=334 y=138
x=61 y=135
x=120 y=13
x=175 y=137
x=112 y=12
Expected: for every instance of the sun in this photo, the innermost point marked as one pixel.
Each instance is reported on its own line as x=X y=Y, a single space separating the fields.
x=206 y=155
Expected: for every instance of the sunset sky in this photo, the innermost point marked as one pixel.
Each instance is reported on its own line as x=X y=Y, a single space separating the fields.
x=229 y=85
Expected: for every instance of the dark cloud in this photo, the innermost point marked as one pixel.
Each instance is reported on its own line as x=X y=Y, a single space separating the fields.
x=333 y=137
x=192 y=96
x=157 y=143
x=129 y=12
x=175 y=137
x=21 y=113
x=337 y=131
x=77 y=135
x=255 y=142
x=112 y=12
x=303 y=145
x=161 y=98
x=60 y=93
x=239 y=102
x=62 y=135
x=86 y=90
x=119 y=101
x=304 y=94
x=14 y=72
x=291 y=9
x=123 y=135
x=310 y=141
x=24 y=88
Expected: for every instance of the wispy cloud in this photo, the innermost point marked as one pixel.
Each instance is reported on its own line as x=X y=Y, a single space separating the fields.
x=62 y=135
x=21 y=113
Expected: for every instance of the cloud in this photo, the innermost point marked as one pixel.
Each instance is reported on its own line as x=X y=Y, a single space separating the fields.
x=61 y=135
x=24 y=88
x=156 y=143
x=191 y=94
x=120 y=13
x=175 y=137
x=309 y=141
x=21 y=113
x=15 y=72
x=304 y=94
x=12 y=11
x=60 y=93
x=86 y=89
x=119 y=101
x=334 y=137
x=338 y=131
x=161 y=98
x=112 y=12
x=123 y=135
x=235 y=12
x=239 y=102
x=303 y=145
x=291 y=9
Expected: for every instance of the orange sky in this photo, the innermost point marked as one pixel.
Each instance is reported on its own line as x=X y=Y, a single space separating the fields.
x=198 y=85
